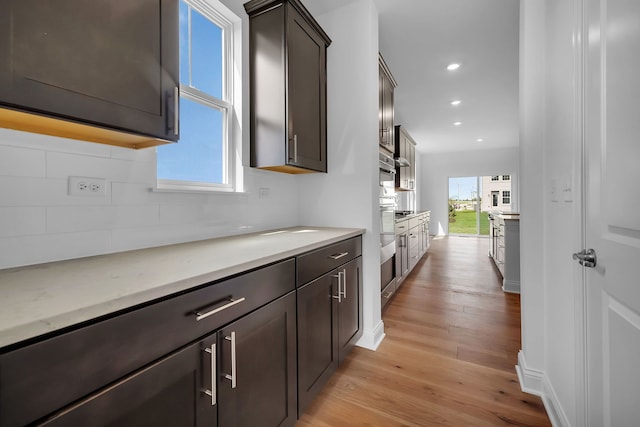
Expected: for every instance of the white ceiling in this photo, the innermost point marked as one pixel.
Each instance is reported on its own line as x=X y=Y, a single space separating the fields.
x=418 y=38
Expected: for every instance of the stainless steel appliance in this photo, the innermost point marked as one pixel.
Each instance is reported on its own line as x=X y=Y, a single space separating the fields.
x=387 y=226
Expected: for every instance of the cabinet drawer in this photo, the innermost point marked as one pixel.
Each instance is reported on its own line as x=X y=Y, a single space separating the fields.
x=402 y=227
x=35 y=379
x=414 y=222
x=316 y=263
x=387 y=293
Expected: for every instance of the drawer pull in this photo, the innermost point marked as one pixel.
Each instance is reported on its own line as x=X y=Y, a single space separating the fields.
x=338 y=256
x=212 y=392
x=387 y=294
x=231 y=303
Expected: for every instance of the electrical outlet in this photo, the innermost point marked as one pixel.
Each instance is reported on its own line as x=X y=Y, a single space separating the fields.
x=263 y=192
x=85 y=186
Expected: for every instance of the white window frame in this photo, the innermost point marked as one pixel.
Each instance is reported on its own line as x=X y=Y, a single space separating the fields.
x=224 y=18
x=508 y=196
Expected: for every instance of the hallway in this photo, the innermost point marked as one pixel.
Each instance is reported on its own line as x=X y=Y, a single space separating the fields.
x=452 y=338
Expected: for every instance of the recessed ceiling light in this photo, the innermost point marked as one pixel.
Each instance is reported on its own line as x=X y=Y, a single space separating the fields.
x=456 y=102
x=453 y=66
x=457 y=123
x=479 y=140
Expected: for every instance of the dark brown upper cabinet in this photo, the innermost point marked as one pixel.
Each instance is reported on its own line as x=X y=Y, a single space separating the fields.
x=385 y=113
x=405 y=150
x=288 y=85
x=103 y=71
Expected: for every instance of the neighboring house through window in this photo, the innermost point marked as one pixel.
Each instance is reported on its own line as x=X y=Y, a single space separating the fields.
x=506 y=177
x=202 y=159
x=495 y=178
x=506 y=197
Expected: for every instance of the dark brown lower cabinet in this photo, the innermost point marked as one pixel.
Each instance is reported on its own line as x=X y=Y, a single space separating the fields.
x=242 y=375
x=329 y=324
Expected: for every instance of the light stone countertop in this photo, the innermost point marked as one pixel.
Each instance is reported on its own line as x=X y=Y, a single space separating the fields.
x=43 y=298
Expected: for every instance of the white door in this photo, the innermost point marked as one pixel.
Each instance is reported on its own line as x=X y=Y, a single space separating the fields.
x=612 y=182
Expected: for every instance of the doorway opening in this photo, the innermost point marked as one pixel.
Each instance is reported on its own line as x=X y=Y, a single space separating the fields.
x=473 y=198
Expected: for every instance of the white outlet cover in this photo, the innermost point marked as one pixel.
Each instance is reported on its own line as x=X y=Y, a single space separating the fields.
x=85 y=186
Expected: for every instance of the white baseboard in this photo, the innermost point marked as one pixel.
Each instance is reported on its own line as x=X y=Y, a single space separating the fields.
x=531 y=380
x=511 y=286
x=535 y=382
x=556 y=415
x=371 y=338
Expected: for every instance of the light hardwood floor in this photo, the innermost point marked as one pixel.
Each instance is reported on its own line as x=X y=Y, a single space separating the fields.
x=452 y=338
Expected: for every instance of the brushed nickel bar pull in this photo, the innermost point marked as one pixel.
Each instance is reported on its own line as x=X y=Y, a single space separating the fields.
x=339 y=296
x=213 y=391
x=344 y=283
x=338 y=256
x=232 y=302
x=295 y=148
x=233 y=375
x=176 y=110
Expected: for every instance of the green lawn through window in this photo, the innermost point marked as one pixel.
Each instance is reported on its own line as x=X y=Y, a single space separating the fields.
x=465 y=223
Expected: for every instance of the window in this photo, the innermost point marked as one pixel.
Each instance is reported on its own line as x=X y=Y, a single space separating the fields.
x=506 y=197
x=495 y=178
x=203 y=158
x=506 y=177
x=494 y=198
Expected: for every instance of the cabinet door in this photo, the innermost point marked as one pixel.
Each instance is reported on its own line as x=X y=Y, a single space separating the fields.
x=350 y=307
x=167 y=393
x=317 y=335
x=307 y=139
x=386 y=112
x=106 y=62
x=257 y=367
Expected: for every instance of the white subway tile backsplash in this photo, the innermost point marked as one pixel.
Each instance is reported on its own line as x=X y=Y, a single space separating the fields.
x=25 y=191
x=52 y=143
x=41 y=222
x=93 y=218
x=26 y=250
x=62 y=165
x=15 y=161
x=147 y=155
x=22 y=221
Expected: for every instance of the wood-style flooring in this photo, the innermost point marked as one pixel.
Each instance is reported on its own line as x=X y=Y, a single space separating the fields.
x=452 y=338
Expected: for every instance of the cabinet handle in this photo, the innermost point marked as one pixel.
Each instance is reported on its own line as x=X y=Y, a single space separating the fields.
x=176 y=110
x=231 y=303
x=212 y=392
x=339 y=296
x=338 y=256
x=388 y=294
x=295 y=149
x=344 y=283
x=233 y=376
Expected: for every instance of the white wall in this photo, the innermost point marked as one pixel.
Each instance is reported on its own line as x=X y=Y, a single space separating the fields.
x=347 y=194
x=550 y=228
x=436 y=168
x=532 y=175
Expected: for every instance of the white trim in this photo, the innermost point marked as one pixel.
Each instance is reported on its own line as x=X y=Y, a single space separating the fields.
x=536 y=382
x=530 y=379
x=371 y=339
x=511 y=286
x=552 y=405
